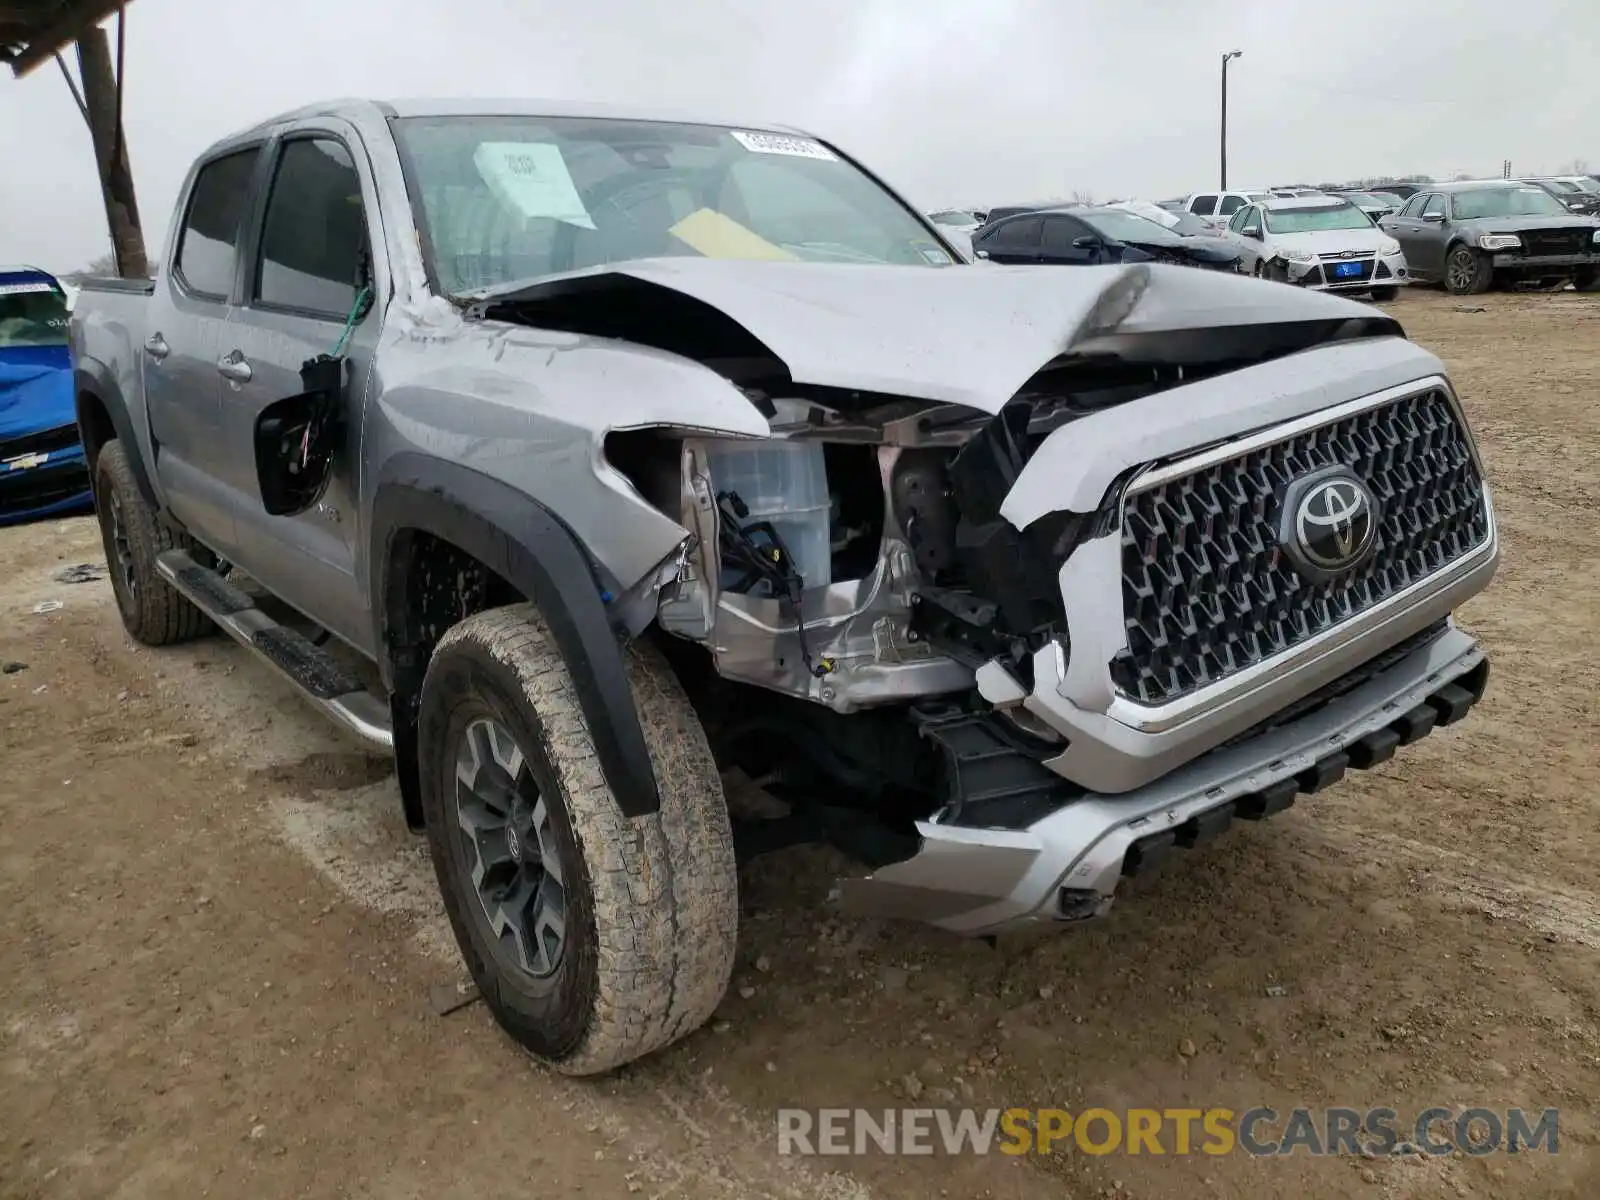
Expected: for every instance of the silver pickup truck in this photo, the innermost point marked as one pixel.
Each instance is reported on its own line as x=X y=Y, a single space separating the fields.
x=586 y=459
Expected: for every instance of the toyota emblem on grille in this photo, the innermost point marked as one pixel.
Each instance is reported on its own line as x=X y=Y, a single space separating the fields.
x=1330 y=522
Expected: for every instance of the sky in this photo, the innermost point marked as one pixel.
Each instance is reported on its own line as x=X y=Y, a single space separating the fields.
x=952 y=101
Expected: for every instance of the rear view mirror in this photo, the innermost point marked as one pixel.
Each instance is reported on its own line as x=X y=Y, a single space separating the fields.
x=1433 y=218
x=1085 y=242
x=1251 y=231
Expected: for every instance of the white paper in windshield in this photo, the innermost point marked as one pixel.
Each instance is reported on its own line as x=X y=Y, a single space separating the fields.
x=17 y=289
x=780 y=143
x=532 y=178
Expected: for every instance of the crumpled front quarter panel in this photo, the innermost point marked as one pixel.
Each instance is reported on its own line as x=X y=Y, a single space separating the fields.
x=531 y=408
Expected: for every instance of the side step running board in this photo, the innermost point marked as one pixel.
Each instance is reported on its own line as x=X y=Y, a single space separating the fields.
x=320 y=678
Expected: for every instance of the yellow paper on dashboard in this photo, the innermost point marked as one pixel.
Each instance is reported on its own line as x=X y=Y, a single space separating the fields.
x=718 y=236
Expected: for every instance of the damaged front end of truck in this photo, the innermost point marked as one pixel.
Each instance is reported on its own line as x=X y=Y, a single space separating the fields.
x=1008 y=602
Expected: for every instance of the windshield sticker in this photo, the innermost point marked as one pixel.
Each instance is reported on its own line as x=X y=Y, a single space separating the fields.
x=17 y=289
x=716 y=235
x=778 y=143
x=933 y=254
x=532 y=178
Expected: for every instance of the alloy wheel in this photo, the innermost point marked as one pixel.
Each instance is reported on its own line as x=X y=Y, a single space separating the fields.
x=508 y=842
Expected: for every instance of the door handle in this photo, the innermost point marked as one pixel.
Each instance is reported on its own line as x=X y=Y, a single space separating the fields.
x=234 y=368
x=156 y=346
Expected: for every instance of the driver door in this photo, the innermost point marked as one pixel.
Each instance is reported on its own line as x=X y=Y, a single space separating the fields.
x=1070 y=243
x=1431 y=237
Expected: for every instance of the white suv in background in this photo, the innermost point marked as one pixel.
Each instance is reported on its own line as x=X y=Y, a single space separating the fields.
x=1321 y=242
x=1215 y=208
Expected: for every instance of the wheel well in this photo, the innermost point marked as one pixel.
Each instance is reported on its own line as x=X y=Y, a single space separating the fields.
x=95 y=427
x=430 y=584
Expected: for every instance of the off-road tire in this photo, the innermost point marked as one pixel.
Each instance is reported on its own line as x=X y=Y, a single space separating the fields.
x=153 y=612
x=651 y=902
x=1382 y=295
x=1467 y=272
x=1586 y=279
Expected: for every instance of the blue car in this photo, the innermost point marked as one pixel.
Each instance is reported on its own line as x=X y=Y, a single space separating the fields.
x=42 y=470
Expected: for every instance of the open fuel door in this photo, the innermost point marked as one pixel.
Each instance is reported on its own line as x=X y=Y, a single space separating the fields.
x=298 y=438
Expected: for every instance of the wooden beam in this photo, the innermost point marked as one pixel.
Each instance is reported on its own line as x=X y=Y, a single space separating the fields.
x=111 y=153
x=76 y=17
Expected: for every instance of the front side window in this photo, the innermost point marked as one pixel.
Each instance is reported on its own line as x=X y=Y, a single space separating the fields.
x=209 y=241
x=313 y=242
x=32 y=313
x=1413 y=207
x=507 y=198
x=1229 y=205
x=1061 y=232
x=1312 y=220
x=1434 y=205
x=1240 y=219
x=1507 y=202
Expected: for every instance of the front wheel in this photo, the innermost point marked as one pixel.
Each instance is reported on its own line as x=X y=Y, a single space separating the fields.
x=1586 y=279
x=1467 y=272
x=1382 y=295
x=593 y=937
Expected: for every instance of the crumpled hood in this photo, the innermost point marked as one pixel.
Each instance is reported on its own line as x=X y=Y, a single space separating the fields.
x=961 y=335
x=35 y=391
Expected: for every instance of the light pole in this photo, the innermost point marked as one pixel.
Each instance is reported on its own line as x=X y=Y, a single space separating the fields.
x=1225 y=58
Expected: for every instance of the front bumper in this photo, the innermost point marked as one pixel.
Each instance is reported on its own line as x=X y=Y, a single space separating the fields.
x=1380 y=271
x=45 y=484
x=1067 y=866
x=1531 y=263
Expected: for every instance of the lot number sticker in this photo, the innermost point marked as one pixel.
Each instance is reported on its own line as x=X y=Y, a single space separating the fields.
x=778 y=143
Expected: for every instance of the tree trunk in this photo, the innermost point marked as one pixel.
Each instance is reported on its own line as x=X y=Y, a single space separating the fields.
x=116 y=177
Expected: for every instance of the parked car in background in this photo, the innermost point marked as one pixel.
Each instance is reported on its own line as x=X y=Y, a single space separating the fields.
x=1321 y=242
x=1085 y=237
x=41 y=458
x=1403 y=190
x=1217 y=207
x=956 y=218
x=1001 y=211
x=1376 y=205
x=1184 y=224
x=1571 y=192
x=1475 y=234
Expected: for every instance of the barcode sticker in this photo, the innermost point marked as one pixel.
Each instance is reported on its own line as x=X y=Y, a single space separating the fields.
x=781 y=143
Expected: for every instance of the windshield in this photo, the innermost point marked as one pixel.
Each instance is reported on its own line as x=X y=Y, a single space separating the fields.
x=1371 y=198
x=1562 y=185
x=1507 y=202
x=32 y=314
x=1126 y=227
x=959 y=218
x=1315 y=220
x=1586 y=185
x=507 y=198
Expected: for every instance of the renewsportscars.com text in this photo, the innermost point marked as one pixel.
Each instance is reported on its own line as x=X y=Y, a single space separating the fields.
x=1260 y=1132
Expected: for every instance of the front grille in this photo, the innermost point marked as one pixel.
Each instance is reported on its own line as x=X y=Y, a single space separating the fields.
x=62 y=437
x=1555 y=241
x=1206 y=589
x=38 y=487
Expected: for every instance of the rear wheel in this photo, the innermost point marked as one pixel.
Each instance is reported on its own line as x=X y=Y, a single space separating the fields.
x=1467 y=272
x=594 y=938
x=152 y=611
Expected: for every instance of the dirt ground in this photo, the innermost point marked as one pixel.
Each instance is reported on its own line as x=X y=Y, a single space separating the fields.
x=218 y=940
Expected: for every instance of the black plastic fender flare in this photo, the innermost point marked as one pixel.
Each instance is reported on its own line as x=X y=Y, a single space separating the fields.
x=522 y=542
x=91 y=378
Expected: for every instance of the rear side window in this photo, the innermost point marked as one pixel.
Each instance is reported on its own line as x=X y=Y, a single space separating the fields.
x=313 y=243
x=1229 y=205
x=1203 y=206
x=1020 y=234
x=210 y=240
